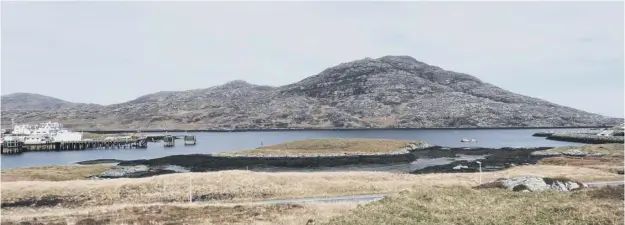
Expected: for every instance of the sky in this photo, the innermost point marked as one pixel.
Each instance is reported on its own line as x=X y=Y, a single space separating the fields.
x=569 y=53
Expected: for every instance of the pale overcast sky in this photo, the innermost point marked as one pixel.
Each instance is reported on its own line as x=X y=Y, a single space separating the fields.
x=570 y=53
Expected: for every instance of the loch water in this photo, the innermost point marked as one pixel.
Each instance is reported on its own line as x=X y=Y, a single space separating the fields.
x=212 y=142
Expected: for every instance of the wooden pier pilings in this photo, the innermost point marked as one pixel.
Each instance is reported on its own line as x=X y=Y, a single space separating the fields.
x=19 y=147
x=169 y=141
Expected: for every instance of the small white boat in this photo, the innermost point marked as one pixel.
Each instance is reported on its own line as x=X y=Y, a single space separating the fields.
x=468 y=140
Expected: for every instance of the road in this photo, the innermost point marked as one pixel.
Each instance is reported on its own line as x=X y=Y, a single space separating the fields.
x=351 y=198
x=376 y=197
x=605 y=183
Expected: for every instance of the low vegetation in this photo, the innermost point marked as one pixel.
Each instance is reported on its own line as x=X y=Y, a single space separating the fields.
x=231 y=197
x=612 y=161
x=607 y=149
x=329 y=146
x=52 y=173
x=240 y=186
x=416 y=205
x=288 y=214
x=463 y=205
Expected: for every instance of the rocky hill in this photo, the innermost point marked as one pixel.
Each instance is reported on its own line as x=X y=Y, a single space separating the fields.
x=392 y=91
x=28 y=101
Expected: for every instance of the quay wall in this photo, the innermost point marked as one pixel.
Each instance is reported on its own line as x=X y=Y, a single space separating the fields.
x=74 y=145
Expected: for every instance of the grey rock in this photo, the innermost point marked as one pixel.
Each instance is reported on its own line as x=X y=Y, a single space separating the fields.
x=586 y=138
x=545 y=153
x=534 y=184
x=460 y=167
x=574 y=152
x=570 y=152
x=122 y=171
x=387 y=92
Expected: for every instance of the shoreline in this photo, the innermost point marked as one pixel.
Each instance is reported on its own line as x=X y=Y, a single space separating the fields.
x=495 y=158
x=334 y=129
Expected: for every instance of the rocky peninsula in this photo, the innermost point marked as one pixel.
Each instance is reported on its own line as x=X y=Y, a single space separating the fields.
x=312 y=154
x=596 y=136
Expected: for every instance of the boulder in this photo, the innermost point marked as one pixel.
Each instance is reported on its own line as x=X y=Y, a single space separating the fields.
x=534 y=184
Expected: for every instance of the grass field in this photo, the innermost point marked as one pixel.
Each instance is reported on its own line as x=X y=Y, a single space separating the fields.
x=237 y=186
x=417 y=205
x=611 y=162
x=328 y=146
x=290 y=214
x=226 y=197
x=52 y=173
x=466 y=206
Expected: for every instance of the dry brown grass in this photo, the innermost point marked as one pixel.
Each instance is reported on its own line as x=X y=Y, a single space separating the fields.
x=465 y=206
x=240 y=186
x=182 y=214
x=328 y=146
x=607 y=163
x=52 y=173
x=611 y=162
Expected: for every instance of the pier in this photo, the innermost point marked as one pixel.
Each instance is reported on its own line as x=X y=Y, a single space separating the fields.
x=17 y=147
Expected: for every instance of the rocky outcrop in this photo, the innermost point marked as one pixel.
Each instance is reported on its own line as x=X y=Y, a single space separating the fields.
x=570 y=152
x=534 y=184
x=549 y=133
x=422 y=159
x=586 y=138
x=138 y=171
x=462 y=160
x=387 y=92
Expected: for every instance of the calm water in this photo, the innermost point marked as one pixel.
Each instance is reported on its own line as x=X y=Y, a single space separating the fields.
x=220 y=142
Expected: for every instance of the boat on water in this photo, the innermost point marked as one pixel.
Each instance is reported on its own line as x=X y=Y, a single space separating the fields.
x=468 y=140
x=189 y=140
x=44 y=132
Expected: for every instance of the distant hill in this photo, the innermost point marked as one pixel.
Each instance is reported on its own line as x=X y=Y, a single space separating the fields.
x=28 y=101
x=387 y=92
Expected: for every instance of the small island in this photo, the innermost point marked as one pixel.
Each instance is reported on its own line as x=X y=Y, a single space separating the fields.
x=330 y=147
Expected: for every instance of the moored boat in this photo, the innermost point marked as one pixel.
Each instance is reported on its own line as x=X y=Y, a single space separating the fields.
x=189 y=140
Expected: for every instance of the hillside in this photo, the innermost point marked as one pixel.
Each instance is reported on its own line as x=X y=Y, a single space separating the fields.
x=28 y=101
x=392 y=91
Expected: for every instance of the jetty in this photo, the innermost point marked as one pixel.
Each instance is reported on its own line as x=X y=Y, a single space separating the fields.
x=18 y=146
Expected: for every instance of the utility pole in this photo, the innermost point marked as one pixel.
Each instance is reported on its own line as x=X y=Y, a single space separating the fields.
x=480 y=165
x=190 y=196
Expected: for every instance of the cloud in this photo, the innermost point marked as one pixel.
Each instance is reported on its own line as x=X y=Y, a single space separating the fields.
x=115 y=51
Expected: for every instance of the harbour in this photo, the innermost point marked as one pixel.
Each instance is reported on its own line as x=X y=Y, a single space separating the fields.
x=210 y=143
x=17 y=147
x=52 y=136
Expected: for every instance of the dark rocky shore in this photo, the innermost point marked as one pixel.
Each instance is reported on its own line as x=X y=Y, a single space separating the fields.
x=461 y=160
x=587 y=137
x=432 y=159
